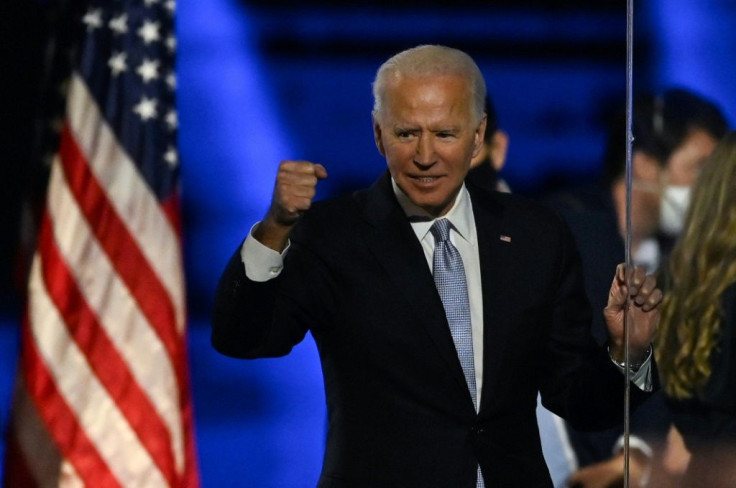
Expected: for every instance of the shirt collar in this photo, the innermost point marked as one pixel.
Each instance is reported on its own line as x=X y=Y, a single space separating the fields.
x=460 y=214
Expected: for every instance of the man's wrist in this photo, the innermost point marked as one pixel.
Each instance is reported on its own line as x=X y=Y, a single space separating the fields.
x=272 y=234
x=633 y=365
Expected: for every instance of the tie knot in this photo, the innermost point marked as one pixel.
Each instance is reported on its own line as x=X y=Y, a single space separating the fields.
x=441 y=230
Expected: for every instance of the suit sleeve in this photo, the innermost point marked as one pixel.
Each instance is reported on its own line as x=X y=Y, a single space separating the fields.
x=267 y=319
x=578 y=380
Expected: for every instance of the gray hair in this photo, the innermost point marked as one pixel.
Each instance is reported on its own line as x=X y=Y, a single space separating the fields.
x=430 y=60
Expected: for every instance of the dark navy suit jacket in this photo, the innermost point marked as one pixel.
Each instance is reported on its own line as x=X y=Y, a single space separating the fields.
x=400 y=414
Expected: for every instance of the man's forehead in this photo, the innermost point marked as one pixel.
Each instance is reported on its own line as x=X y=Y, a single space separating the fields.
x=400 y=79
x=429 y=89
x=429 y=94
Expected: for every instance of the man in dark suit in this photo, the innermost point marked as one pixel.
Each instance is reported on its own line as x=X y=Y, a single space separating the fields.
x=432 y=364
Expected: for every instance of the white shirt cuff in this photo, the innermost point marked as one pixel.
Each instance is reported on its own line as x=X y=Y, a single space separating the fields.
x=643 y=447
x=643 y=376
x=261 y=262
x=635 y=442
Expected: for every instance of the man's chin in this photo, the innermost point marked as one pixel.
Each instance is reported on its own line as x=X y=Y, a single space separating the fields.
x=433 y=207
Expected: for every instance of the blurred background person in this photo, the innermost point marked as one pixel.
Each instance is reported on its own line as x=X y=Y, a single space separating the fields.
x=673 y=134
x=685 y=129
x=488 y=163
x=696 y=348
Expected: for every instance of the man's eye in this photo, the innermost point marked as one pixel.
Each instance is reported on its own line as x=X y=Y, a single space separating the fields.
x=445 y=135
x=403 y=134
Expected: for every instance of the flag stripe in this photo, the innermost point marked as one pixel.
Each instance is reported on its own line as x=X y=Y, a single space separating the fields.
x=97 y=414
x=69 y=476
x=114 y=307
x=102 y=356
x=122 y=248
x=68 y=434
x=128 y=194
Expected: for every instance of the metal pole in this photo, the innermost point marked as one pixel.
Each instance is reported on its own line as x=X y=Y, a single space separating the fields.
x=629 y=142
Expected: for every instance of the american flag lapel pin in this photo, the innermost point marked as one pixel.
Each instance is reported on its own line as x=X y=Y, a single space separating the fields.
x=505 y=238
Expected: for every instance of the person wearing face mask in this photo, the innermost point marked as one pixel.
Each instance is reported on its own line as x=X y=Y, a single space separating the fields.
x=673 y=133
x=685 y=129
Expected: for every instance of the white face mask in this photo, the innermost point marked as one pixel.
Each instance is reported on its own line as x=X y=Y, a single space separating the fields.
x=673 y=207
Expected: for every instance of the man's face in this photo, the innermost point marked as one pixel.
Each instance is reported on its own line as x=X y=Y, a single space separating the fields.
x=428 y=137
x=685 y=163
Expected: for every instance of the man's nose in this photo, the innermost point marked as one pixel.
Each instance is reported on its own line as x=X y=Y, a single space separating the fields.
x=425 y=155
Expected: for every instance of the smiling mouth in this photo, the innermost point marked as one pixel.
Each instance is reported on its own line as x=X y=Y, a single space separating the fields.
x=425 y=179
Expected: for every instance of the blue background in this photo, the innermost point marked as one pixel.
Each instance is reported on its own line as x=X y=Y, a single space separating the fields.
x=264 y=81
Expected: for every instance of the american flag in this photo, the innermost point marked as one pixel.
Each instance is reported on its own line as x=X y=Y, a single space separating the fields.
x=103 y=397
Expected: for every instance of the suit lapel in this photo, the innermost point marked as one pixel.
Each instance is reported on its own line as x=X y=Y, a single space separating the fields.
x=495 y=241
x=394 y=244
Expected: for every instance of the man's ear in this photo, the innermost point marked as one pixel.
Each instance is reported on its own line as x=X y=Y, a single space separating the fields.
x=499 y=148
x=377 y=137
x=480 y=132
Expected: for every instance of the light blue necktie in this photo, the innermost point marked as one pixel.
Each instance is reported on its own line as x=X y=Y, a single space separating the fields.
x=449 y=278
